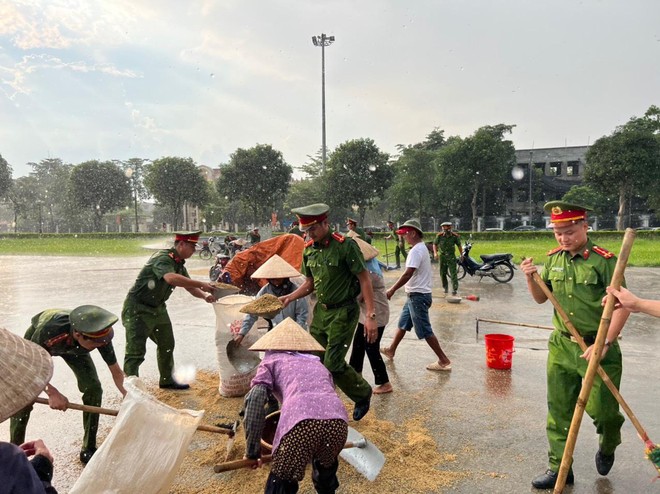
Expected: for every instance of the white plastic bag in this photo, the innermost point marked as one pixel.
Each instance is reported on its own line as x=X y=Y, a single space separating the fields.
x=144 y=449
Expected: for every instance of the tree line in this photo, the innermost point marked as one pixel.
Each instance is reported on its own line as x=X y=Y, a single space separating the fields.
x=453 y=176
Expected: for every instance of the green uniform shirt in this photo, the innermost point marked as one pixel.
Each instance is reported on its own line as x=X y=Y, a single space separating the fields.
x=51 y=330
x=447 y=242
x=334 y=265
x=579 y=284
x=150 y=288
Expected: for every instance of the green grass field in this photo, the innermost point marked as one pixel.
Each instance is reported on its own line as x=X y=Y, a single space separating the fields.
x=645 y=252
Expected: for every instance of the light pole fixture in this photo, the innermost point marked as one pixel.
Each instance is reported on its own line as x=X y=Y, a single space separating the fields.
x=530 y=170
x=323 y=41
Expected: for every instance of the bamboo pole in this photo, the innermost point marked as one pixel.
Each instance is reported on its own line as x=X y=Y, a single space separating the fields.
x=594 y=361
x=510 y=323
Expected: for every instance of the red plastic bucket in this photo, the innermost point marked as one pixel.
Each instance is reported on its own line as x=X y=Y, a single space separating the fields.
x=499 y=351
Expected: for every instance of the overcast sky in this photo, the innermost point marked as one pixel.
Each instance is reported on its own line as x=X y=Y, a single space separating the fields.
x=116 y=79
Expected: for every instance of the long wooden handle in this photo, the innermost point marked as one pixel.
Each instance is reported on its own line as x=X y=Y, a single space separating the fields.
x=594 y=361
x=109 y=411
x=247 y=462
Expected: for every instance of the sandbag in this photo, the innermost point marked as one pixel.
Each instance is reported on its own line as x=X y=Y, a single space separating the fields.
x=235 y=373
x=144 y=449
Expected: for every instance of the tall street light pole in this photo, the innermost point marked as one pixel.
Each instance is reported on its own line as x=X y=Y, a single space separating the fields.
x=529 y=172
x=323 y=41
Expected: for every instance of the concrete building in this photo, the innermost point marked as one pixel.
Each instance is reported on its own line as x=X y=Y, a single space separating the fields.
x=561 y=169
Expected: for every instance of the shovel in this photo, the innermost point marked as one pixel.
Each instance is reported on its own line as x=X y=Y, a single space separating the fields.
x=366 y=458
x=107 y=411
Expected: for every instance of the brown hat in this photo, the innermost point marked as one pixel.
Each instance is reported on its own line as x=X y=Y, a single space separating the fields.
x=287 y=336
x=368 y=250
x=25 y=370
x=275 y=267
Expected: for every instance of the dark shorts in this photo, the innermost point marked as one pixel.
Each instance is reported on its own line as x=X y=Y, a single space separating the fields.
x=415 y=314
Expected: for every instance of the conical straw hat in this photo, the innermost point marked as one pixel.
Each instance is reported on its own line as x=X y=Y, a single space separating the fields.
x=275 y=267
x=25 y=370
x=287 y=336
x=368 y=250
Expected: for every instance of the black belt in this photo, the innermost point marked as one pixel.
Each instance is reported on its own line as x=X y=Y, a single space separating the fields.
x=346 y=303
x=589 y=340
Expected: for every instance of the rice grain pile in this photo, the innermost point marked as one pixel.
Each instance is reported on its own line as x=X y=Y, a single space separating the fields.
x=267 y=304
x=413 y=460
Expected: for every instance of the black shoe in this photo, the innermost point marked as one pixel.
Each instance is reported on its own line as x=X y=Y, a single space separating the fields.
x=454 y=292
x=604 y=462
x=86 y=455
x=174 y=386
x=361 y=408
x=549 y=479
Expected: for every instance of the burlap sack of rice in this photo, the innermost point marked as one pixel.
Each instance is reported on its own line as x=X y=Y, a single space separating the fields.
x=266 y=306
x=223 y=289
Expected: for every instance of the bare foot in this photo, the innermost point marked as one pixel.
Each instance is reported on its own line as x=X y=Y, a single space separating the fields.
x=387 y=352
x=382 y=389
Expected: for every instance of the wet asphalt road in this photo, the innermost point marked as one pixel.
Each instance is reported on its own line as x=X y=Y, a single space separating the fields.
x=492 y=420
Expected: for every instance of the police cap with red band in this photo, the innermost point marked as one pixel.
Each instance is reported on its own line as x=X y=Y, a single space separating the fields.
x=192 y=237
x=561 y=211
x=311 y=215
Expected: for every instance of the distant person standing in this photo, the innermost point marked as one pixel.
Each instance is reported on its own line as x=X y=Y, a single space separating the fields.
x=418 y=282
x=145 y=312
x=254 y=236
x=400 y=243
x=444 y=250
x=352 y=226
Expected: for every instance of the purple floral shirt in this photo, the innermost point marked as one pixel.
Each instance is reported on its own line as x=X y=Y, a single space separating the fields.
x=303 y=386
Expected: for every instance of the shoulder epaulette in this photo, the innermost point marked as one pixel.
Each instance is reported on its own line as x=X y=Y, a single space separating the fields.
x=455 y=234
x=602 y=252
x=56 y=339
x=309 y=243
x=554 y=251
x=338 y=237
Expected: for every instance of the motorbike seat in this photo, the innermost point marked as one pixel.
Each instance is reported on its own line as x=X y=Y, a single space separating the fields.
x=495 y=257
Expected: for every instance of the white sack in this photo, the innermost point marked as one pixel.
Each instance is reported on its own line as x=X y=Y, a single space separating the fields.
x=144 y=449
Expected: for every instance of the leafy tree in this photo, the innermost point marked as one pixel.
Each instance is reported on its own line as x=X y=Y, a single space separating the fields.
x=216 y=209
x=258 y=177
x=22 y=196
x=52 y=182
x=480 y=165
x=99 y=186
x=134 y=169
x=360 y=174
x=413 y=189
x=5 y=176
x=174 y=182
x=627 y=162
x=590 y=197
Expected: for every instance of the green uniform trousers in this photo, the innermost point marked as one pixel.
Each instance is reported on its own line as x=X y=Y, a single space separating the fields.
x=398 y=251
x=89 y=385
x=448 y=263
x=565 y=371
x=334 y=329
x=142 y=322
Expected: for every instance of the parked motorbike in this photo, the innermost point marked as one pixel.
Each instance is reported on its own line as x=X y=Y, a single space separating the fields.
x=211 y=247
x=496 y=266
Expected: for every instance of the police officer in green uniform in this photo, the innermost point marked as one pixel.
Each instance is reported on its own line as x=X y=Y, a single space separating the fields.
x=144 y=314
x=254 y=236
x=295 y=229
x=577 y=272
x=72 y=335
x=446 y=242
x=352 y=226
x=400 y=248
x=334 y=268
